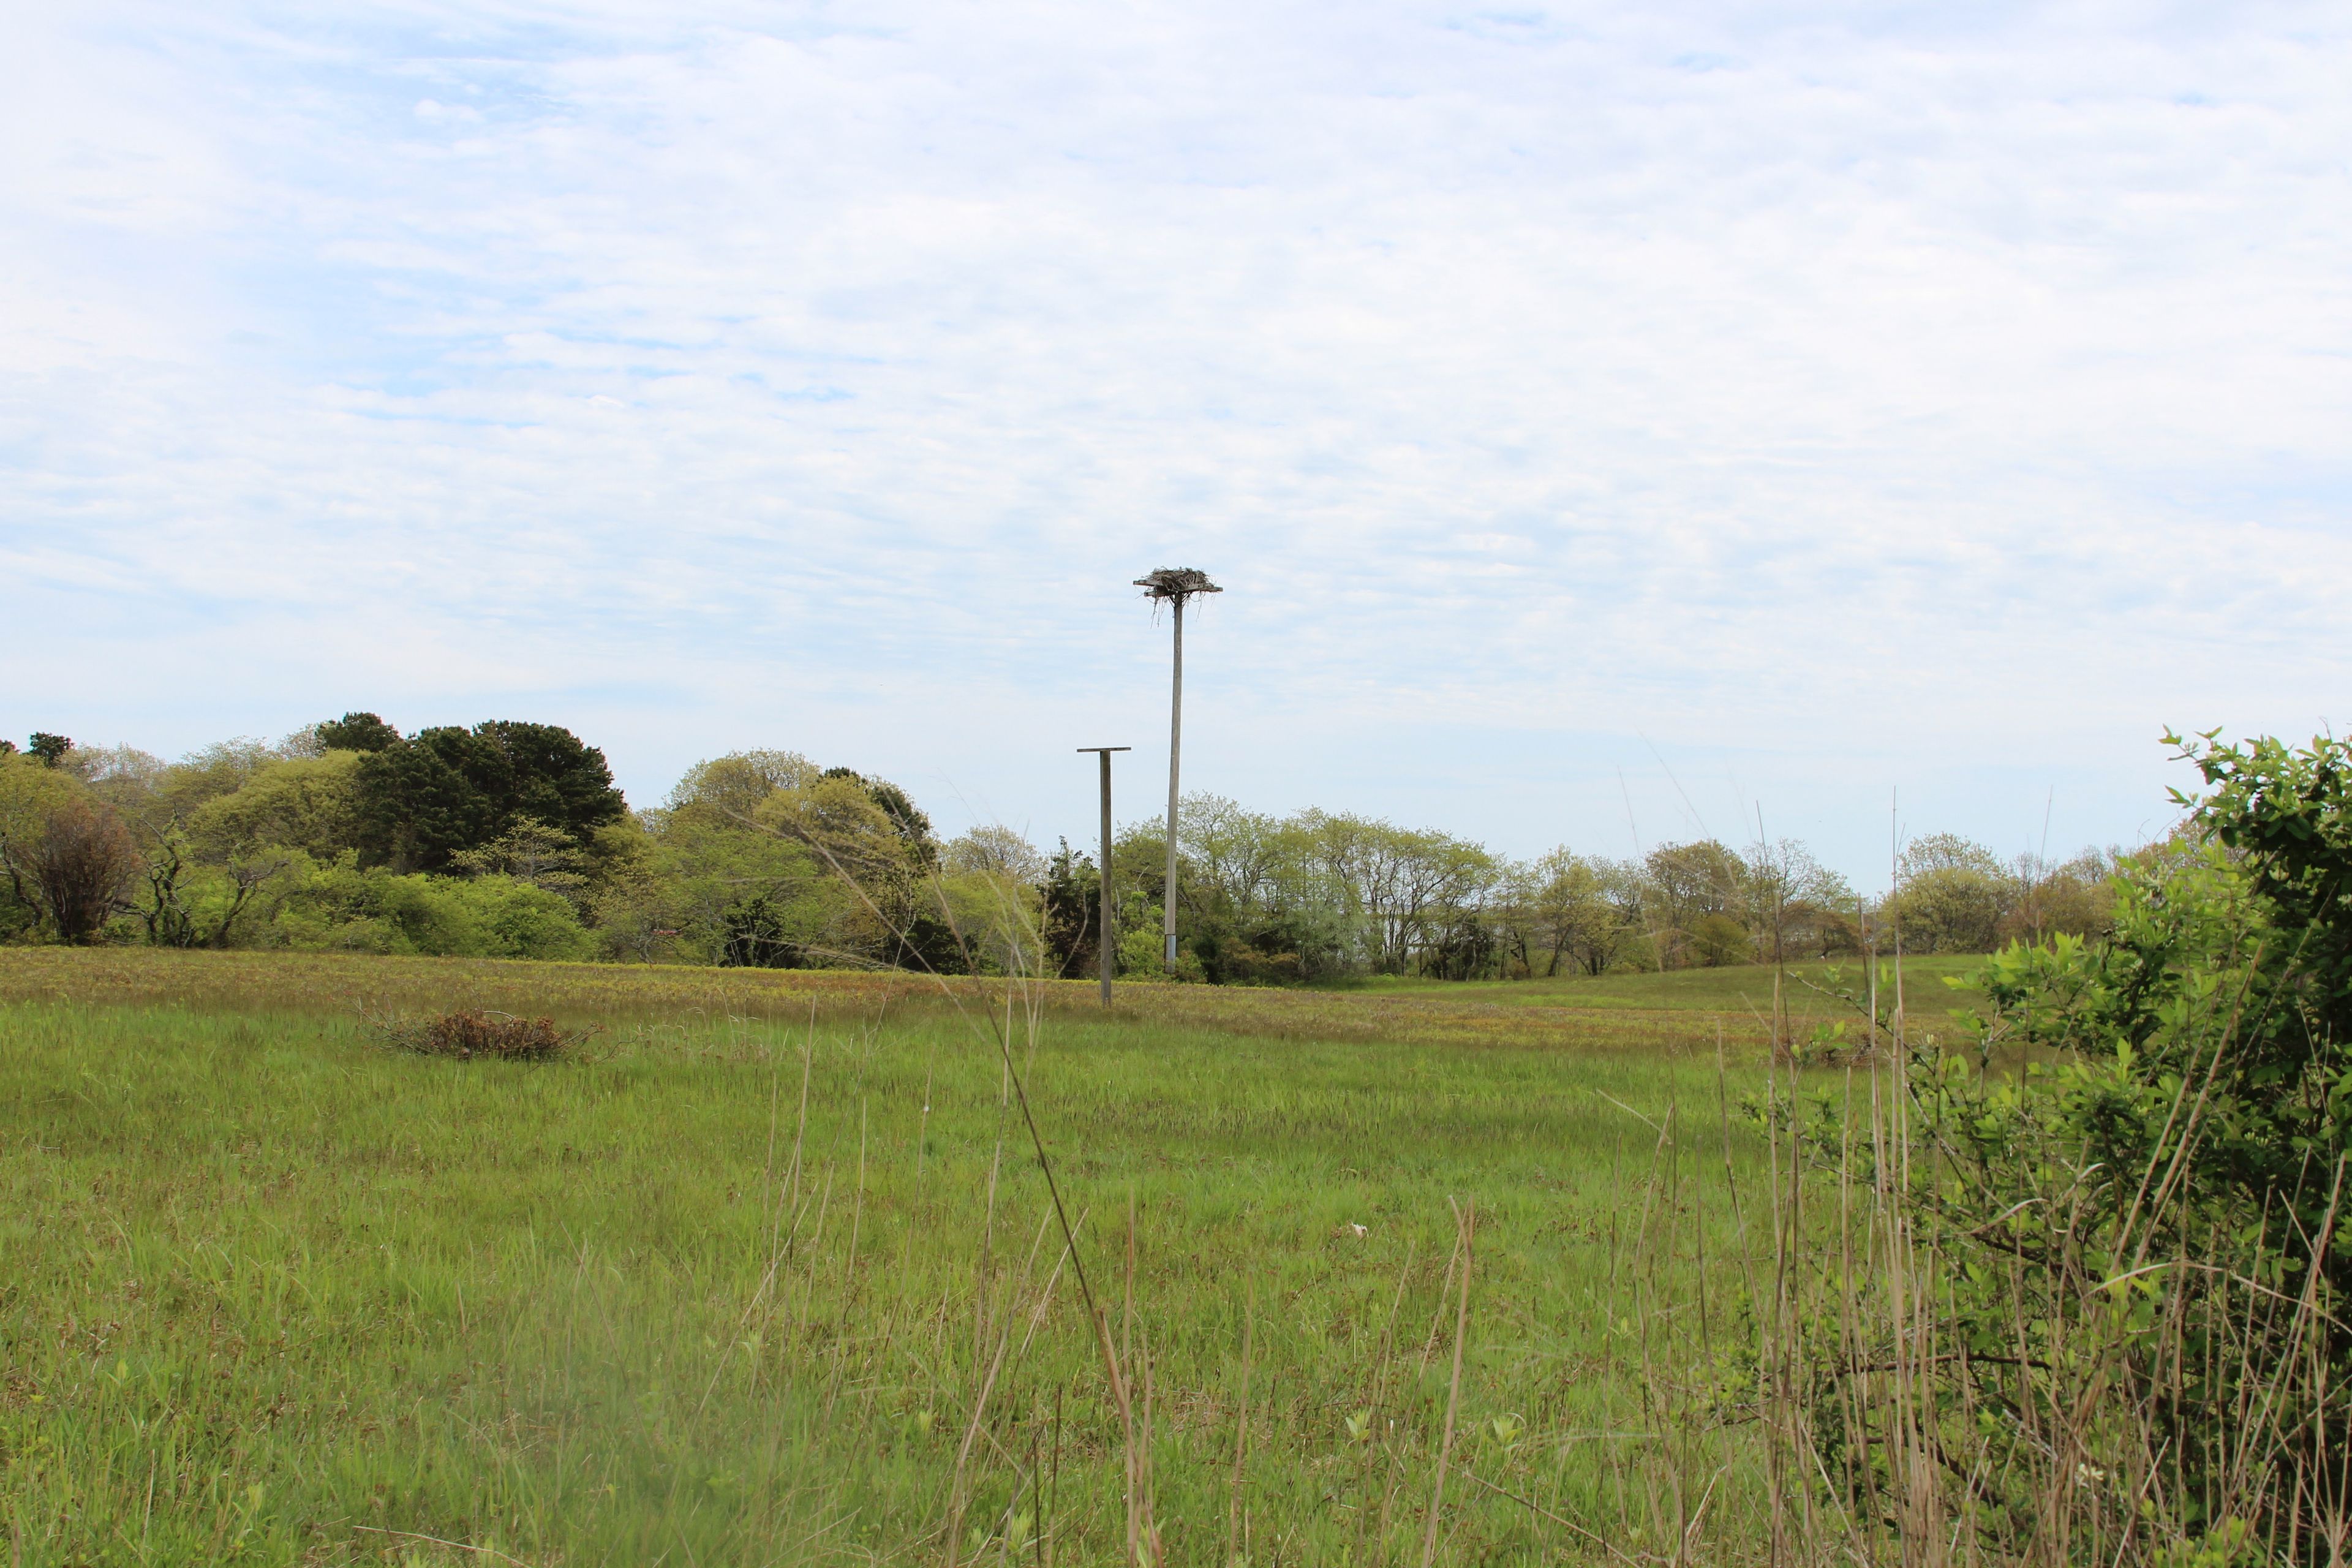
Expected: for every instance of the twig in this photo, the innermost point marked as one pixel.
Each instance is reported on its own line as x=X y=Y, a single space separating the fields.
x=412 y=1535
x=1630 y=1112
x=1534 y=1508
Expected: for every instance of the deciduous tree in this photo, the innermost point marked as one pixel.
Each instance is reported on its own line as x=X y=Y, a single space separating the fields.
x=77 y=869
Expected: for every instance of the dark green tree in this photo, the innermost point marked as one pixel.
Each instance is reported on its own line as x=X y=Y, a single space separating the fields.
x=447 y=790
x=357 y=733
x=1072 y=917
x=50 y=749
x=757 y=936
x=927 y=943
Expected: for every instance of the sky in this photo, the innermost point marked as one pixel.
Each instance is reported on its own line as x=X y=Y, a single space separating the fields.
x=1610 y=424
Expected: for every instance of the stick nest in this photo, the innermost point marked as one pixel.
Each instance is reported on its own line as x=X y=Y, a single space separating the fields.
x=1177 y=583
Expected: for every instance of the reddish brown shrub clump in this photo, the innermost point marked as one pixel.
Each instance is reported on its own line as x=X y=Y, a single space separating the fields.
x=474 y=1032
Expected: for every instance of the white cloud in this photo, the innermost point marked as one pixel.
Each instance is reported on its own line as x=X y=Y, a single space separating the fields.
x=1828 y=401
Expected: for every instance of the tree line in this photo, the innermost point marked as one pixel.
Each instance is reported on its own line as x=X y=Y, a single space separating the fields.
x=1319 y=896
x=508 y=839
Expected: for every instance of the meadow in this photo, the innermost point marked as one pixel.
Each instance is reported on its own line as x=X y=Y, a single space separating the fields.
x=769 y=1271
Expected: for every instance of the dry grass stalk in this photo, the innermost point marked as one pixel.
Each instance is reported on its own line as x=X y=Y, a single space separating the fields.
x=1465 y=1220
x=1241 y=1430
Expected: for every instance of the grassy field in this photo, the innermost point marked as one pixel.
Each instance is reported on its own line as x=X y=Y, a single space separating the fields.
x=770 y=1274
x=1932 y=987
x=1618 y=1009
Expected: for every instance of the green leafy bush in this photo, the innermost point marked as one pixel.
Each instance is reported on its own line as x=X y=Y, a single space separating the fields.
x=340 y=907
x=2115 y=1213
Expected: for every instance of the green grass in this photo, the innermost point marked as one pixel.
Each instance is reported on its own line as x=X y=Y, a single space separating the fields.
x=271 y=1292
x=1743 y=989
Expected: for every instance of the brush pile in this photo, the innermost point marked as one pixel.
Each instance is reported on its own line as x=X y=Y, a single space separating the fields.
x=475 y=1032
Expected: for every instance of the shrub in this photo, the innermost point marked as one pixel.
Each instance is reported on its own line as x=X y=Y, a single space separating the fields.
x=511 y=918
x=1951 y=909
x=339 y=907
x=2129 y=1330
x=473 y=1032
x=76 y=870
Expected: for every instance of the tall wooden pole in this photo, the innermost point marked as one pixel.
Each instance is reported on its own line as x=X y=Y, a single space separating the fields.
x=1175 y=759
x=1106 y=924
x=1103 y=926
x=1172 y=585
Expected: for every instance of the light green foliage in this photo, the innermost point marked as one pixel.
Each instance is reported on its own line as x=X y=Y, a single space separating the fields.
x=29 y=790
x=308 y=804
x=1142 y=954
x=837 y=817
x=708 y=866
x=1689 y=883
x=1952 y=896
x=761 y=859
x=997 y=915
x=218 y=770
x=733 y=787
x=1317 y=894
x=1583 y=909
x=342 y=907
x=996 y=850
x=530 y=851
x=501 y=917
x=2132 y=1244
x=697 y=870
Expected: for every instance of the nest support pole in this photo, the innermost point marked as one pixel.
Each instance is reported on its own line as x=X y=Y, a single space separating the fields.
x=1172 y=585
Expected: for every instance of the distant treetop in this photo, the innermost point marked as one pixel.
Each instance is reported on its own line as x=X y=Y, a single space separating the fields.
x=357 y=733
x=447 y=790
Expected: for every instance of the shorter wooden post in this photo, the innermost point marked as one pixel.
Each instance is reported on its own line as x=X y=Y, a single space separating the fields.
x=1105 y=925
